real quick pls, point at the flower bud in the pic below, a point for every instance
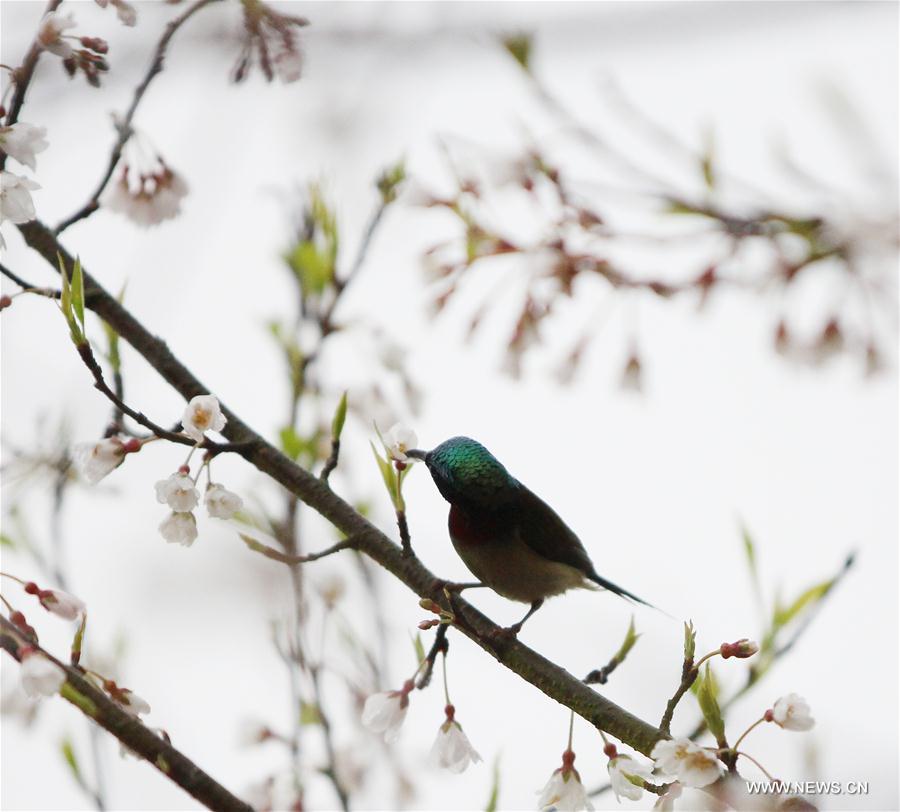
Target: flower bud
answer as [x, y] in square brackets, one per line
[741, 649]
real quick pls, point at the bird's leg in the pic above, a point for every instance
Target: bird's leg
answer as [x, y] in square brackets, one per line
[450, 586]
[451, 590]
[513, 630]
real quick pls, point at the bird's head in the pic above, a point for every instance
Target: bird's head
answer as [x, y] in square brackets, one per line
[468, 475]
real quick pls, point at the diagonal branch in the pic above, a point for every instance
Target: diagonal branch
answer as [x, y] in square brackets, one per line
[129, 730]
[545, 675]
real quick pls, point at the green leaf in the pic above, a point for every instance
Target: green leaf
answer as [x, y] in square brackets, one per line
[309, 714]
[690, 641]
[66, 303]
[749, 550]
[68, 753]
[628, 643]
[291, 442]
[387, 474]
[707, 160]
[495, 788]
[519, 47]
[78, 292]
[815, 593]
[340, 415]
[420, 649]
[706, 697]
[389, 181]
[6, 541]
[311, 267]
[78, 641]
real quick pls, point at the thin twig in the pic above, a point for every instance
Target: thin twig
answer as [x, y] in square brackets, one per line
[124, 126]
[689, 674]
[211, 447]
[22, 76]
[439, 645]
[332, 461]
[129, 730]
[403, 527]
[325, 724]
[27, 286]
[290, 559]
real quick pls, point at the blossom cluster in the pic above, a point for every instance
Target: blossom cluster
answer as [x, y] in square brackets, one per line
[179, 490]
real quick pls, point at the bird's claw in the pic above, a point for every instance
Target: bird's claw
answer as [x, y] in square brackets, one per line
[507, 633]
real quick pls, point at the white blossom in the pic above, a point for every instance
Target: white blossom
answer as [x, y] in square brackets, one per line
[564, 792]
[155, 197]
[385, 712]
[202, 414]
[50, 33]
[179, 528]
[252, 732]
[792, 712]
[126, 13]
[666, 801]
[399, 440]
[452, 749]
[289, 65]
[16, 204]
[222, 503]
[692, 765]
[40, 676]
[95, 460]
[178, 492]
[350, 766]
[131, 703]
[22, 141]
[61, 603]
[622, 769]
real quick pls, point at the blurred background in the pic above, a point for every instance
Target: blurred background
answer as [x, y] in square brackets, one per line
[736, 162]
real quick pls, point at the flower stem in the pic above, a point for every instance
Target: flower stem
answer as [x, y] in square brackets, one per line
[747, 755]
[444, 668]
[571, 728]
[12, 577]
[744, 734]
[706, 657]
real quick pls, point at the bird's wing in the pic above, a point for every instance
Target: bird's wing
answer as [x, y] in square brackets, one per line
[541, 528]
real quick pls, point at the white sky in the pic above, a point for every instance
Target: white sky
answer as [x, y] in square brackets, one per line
[653, 485]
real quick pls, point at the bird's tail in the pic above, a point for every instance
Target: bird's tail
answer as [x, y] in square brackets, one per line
[624, 593]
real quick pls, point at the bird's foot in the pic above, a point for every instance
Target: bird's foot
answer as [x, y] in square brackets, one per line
[452, 587]
[508, 633]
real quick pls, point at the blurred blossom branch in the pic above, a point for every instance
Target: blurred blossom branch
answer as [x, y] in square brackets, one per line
[128, 729]
[123, 125]
[746, 242]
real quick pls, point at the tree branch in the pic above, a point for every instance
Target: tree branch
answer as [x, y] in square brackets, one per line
[22, 76]
[129, 730]
[124, 126]
[548, 677]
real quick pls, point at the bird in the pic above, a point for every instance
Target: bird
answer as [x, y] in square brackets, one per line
[509, 538]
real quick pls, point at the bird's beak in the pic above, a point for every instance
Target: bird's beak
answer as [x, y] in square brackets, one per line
[416, 453]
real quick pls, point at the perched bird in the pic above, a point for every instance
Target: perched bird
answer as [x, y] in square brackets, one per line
[510, 539]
